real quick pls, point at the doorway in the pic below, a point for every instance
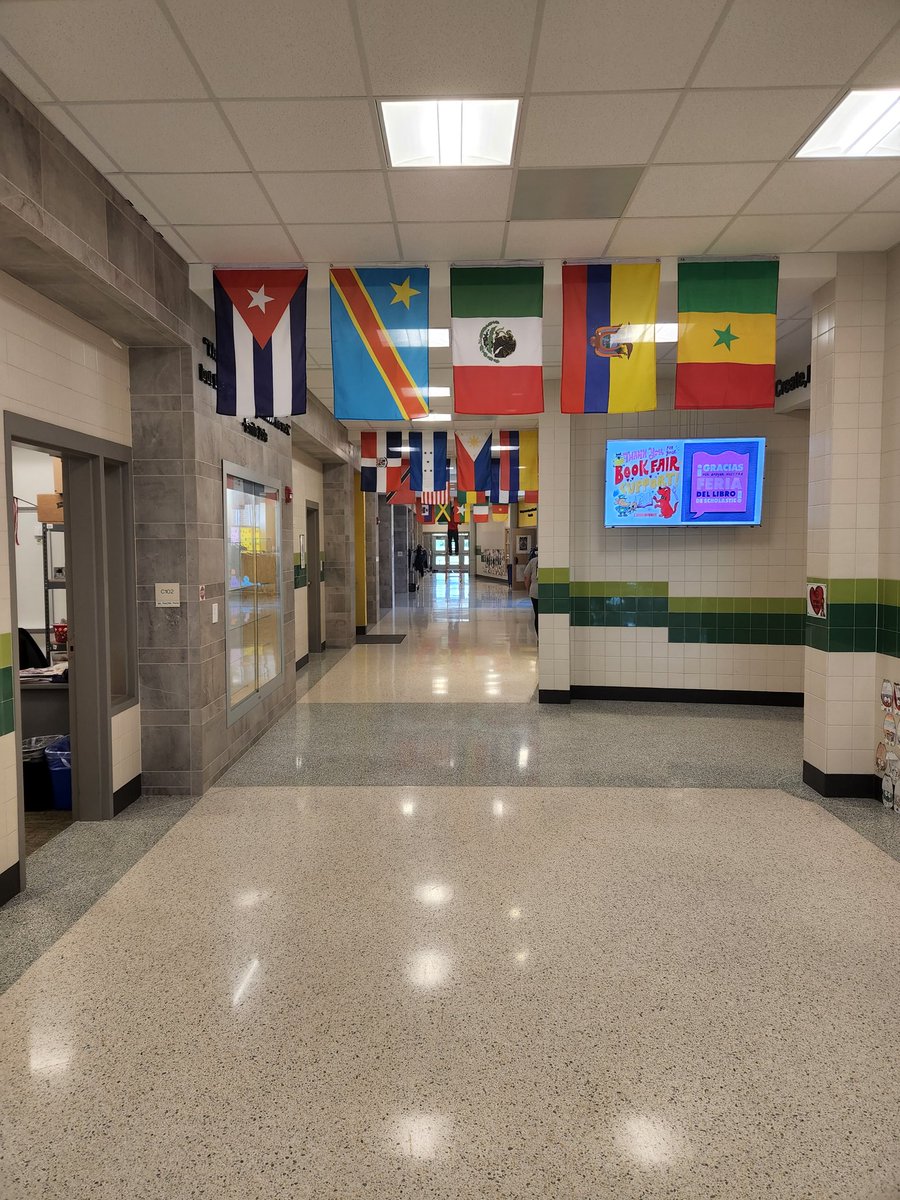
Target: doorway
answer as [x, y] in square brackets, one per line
[442, 561]
[314, 590]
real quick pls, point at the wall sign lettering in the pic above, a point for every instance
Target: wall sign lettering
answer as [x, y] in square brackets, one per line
[798, 380]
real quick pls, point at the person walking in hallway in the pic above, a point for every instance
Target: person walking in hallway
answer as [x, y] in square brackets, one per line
[531, 582]
[453, 532]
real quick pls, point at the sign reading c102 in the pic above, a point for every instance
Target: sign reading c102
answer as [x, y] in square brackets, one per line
[798, 380]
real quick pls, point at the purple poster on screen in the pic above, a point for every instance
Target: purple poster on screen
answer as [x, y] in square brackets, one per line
[719, 482]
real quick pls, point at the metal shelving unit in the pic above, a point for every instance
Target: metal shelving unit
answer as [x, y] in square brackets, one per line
[50, 584]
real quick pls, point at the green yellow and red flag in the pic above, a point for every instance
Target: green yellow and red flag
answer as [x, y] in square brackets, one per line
[726, 334]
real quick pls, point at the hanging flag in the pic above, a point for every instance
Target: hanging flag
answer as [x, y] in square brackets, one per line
[403, 493]
[260, 342]
[442, 497]
[381, 461]
[428, 462]
[609, 338]
[473, 462]
[505, 469]
[528, 464]
[726, 334]
[496, 337]
[379, 342]
[481, 513]
[423, 513]
[466, 498]
[499, 512]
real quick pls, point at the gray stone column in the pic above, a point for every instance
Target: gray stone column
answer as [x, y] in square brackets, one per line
[372, 558]
[385, 553]
[340, 569]
[401, 550]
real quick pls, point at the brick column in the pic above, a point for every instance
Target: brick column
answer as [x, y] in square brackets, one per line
[843, 527]
[385, 553]
[372, 558]
[554, 458]
[340, 571]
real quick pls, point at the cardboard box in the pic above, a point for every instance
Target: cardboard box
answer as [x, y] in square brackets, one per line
[50, 508]
[57, 474]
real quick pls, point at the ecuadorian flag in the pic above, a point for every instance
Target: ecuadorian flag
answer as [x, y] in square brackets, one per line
[379, 342]
[726, 334]
[609, 338]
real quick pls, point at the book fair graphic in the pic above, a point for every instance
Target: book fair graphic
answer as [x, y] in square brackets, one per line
[887, 753]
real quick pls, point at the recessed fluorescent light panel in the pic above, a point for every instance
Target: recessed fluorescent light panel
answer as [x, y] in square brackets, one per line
[449, 133]
[866, 124]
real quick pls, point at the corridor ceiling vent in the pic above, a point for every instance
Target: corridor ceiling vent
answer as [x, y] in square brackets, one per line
[866, 124]
[449, 133]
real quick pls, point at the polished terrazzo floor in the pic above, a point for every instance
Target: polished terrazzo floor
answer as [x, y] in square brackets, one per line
[446, 975]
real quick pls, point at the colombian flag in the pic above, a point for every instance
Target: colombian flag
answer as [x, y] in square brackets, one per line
[726, 334]
[379, 342]
[609, 338]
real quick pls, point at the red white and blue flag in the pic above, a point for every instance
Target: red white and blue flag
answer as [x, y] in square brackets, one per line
[505, 469]
[381, 462]
[428, 462]
[260, 342]
[473, 462]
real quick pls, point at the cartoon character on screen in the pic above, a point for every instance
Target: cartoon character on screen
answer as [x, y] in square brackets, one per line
[663, 501]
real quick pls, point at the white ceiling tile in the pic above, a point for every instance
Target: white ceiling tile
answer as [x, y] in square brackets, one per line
[306, 135]
[644, 44]
[836, 185]
[449, 242]
[773, 235]
[574, 131]
[766, 43]
[221, 244]
[887, 200]
[126, 188]
[643, 237]
[190, 136]
[864, 231]
[228, 199]
[442, 194]
[101, 49]
[279, 48]
[25, 80]
[328, 196]
[345, 243]
[76, 135]
[742, 125]
[882, 70]
[696, 190]
[178, 244]
[558, 239]
[447, 47]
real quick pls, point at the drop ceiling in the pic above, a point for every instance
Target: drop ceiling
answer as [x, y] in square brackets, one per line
[249, 133]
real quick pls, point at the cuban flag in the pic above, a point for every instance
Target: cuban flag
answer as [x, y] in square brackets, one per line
[381, 461]
[261, 342]
[505, 469]
[473, 462]
[428, 462]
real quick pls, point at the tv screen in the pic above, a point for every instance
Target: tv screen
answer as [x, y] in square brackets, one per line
[684, 481]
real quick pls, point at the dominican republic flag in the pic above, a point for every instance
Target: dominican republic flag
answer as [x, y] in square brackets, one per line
[381, 461]
[505, 469]
[428, 462]
[260, 342]
[473, 462]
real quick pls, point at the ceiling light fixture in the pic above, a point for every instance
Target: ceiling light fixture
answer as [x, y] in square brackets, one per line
[449, 133]
[433, 416]
[866, 124]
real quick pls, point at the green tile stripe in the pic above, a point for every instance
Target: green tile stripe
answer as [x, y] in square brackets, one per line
[7, 708]
[5, 650]
[861, 615]
[301, 576]
[553, 575]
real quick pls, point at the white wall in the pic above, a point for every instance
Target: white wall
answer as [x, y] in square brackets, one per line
[33, 474]
[307, 484]
[55, 368]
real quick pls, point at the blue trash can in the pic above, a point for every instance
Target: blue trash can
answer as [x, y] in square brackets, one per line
[59, 760]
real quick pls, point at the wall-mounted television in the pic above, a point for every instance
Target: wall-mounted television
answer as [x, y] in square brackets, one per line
[684, 481]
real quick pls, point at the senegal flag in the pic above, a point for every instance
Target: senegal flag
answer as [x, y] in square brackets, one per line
[726, 334]
[496, 337]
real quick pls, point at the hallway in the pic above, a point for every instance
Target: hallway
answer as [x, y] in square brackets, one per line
[428, 938]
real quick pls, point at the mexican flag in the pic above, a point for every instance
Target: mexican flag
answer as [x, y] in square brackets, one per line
[496, 338]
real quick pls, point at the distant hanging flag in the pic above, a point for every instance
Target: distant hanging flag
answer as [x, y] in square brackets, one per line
[466, 498]
[403, 493]
[442, 497]
[609, 338]
[726, 334]
[528, 464]
[381, 461]
[473, 462]
[428, 461]
[481, 513]
[499, 512]
[496, 339]
[379, 343]
[505, 469]
[260, 342]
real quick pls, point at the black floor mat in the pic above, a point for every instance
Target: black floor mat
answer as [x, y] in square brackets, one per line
[380, 639]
